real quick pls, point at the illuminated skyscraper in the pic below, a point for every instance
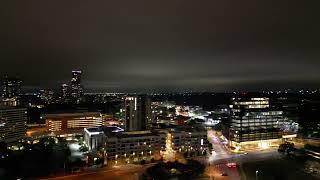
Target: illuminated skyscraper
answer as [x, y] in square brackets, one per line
[137, 113]
[76, 88]
[11, 87]
[65, 93]
[64, 90]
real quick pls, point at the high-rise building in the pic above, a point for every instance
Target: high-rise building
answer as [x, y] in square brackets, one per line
[12, 124]
[76, 88]
[64, 93]
[137, 113]
[254, 123]
[11, 87]
[47, 96]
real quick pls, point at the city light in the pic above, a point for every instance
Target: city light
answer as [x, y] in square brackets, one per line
[160, 90]
[169, 153]
[263, 145]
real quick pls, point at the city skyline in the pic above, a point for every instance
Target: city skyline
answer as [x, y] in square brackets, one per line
[59, 87]
[159, 90]
[164, 46]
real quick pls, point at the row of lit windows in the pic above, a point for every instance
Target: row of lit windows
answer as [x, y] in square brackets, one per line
[83, 123]
[257, 120]
[251, 102]
[254, 124]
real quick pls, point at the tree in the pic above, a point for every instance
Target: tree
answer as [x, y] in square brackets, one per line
[192, 122]
[84, 149]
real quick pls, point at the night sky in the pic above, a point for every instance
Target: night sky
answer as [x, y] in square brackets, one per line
[132, 45]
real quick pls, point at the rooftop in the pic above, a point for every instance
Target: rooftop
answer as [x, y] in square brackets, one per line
[137, 134]
[94, 129]
[65, 115]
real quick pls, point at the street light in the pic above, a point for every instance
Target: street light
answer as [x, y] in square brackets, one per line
[257, 174]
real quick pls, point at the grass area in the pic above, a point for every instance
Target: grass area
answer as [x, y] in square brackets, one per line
[284, 169]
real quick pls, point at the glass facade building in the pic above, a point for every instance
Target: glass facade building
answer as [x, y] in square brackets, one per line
[254, 120]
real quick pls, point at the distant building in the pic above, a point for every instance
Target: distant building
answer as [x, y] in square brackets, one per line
[137, 113]
[10, 101]
[12, 124]
[11, 91]
[76, 88]
[64, 93]
[73, 121]
[11, 87]
[254, 123]
[47, 96]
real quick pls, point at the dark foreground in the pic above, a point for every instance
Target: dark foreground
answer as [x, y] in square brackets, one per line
[284, 169]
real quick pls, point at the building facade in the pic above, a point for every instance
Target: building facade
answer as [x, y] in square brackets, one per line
[76, 88]
[137, 113]
[11, 91]
[11, 87]
[134, 146]
[64, 93]
[190, 140]
[94, 138]
[73, 121]
[254, 123]
[12, 124]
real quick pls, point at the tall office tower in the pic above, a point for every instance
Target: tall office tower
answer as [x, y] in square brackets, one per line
[137, 113]
[65, 93]
[76, 88]
[46, 95]
[11, 87]
[12, 124]
[254, 123]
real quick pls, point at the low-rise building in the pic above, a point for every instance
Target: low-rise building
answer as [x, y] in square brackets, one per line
[73, 121]
[190, 140]
[135, 146]
[94, 138]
